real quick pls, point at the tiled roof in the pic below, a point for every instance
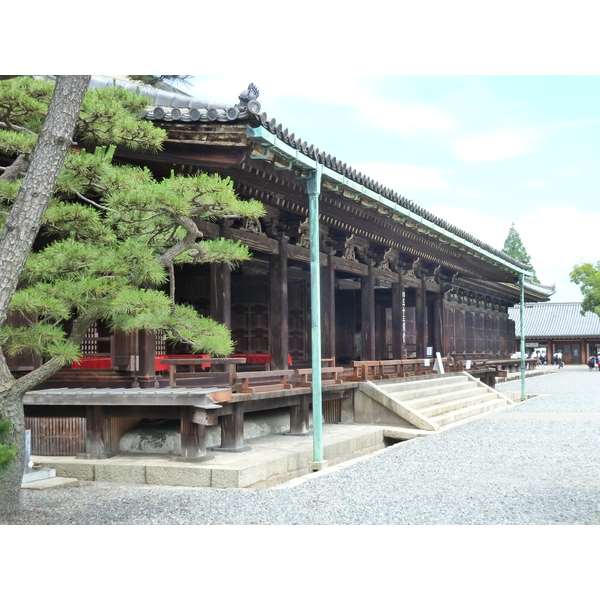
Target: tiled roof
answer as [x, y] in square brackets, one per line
[174, 106]
[169, 105]
[178, 106]
[555, 320]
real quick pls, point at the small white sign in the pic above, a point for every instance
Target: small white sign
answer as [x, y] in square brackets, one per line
[467, 365]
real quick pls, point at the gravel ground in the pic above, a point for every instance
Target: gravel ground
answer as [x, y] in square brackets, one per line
[537, 463]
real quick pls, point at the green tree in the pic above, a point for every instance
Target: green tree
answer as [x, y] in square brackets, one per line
[514, 247]
[587, 277]
[107, 237]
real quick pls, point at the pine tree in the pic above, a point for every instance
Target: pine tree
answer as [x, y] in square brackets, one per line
[107, 237]
[514, 247]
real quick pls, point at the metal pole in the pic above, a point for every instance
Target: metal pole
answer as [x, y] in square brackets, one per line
[522, 278]
[313, 188]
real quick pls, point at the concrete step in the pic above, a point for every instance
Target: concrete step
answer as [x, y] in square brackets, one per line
[424, 402]
[478, 399]
[418, 385]
[53, 482]
[38, 474]
[468, 412]
[431, 403]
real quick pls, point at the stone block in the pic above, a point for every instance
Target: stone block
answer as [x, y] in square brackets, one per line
[81, 470]
[182, 475]
[252, 475]
[225, 478]
[120, 473]
[277, 466]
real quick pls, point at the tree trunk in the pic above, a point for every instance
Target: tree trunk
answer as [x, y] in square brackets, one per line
[11, 474]
[19, 232]
[25, 218]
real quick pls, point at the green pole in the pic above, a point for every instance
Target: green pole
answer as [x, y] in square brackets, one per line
[522, 336]
[313, 188]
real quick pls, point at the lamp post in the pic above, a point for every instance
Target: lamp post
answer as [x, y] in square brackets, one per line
[522, 311]
[313, 187]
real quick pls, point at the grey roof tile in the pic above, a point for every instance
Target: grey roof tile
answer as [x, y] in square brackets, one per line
[555, 320]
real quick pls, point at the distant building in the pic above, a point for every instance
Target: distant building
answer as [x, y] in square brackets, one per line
[558, 326]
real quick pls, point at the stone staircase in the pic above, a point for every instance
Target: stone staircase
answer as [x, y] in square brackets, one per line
[434, 403]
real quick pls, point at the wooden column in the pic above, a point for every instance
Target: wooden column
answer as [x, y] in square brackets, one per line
[147, 353]
[299, 416]
[421, 319]
[124, 349]
[232, 429]
[438, 325]
[328, 310]
[368, 315]
[279, 309]
[193, 436]
[398, 320]
[96, 430]
[220, 294]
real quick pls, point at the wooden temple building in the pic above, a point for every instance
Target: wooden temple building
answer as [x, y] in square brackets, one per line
[397, 282]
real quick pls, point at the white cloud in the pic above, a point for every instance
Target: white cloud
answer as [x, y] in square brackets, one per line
[535, 185]
[402, 178]
[556, 238]
[472, 193]
[356, 93]
[406, 119]
[497, 145]
[489, 229]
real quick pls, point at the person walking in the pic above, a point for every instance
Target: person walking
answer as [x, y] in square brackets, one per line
[560, 362]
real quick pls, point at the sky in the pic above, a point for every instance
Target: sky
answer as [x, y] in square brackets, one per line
[484, 114]
[482, 152]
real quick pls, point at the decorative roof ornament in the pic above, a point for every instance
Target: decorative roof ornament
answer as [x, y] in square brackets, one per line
[248, 100]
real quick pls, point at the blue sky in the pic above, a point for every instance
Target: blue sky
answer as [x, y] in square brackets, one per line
[480, 151]
[482, 113]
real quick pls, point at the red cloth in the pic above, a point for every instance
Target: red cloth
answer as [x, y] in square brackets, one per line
[158, 366]
[103, 362]
[92, 362]
[259, 358]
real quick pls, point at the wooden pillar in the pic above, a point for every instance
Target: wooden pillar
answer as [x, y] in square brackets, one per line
[299, 416]
[279, 309]
[124, 350]
[147, 354]
[421, 319]
[328, 309]
[398, 320]
[232, 428]
[367, 290]
[220, 294]
[193, 436]
[96, 430]
[438, 325]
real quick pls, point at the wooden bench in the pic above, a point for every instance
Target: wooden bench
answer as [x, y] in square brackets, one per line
[364, 369]
[329, 376]
[262, 381]
[511, 365]
[192, 362]
[390, 369]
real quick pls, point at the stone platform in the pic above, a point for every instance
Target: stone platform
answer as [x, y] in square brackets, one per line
[271, 460]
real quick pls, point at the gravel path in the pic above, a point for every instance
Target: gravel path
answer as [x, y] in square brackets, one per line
[536, 463]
